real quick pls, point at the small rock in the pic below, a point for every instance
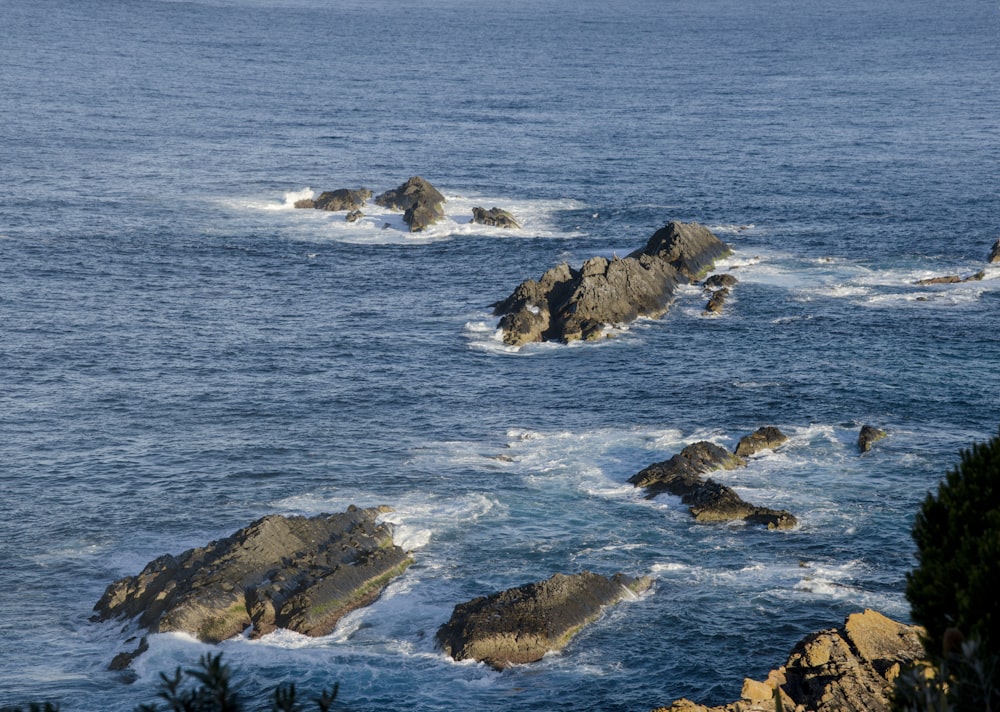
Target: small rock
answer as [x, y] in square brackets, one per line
[494, 217]
[766, 438]
[354, 216]
[995, 252]
[868, 436]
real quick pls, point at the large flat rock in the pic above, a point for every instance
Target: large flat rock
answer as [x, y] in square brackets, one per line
[293, 572]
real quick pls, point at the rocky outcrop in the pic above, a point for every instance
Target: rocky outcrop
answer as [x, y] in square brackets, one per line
[766, 438]
[720, 281]
[567, 304]
[494, 217]
[717, 300]
[299, 573]
[848, 668]
[994, 255]
[521, 624]
[707, 500]
[868, 436]
[421, 203]
[354, 216]
[340, 199]
[952, 279]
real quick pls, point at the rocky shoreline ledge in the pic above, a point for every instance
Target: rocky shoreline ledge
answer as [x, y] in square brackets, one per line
[848, 668]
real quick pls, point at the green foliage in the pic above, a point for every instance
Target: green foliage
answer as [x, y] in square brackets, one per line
[957, 581]
[962, 681]
[954, 591]
[208, 688]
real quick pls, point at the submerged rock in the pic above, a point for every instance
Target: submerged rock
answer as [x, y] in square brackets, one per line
[707, 500]
[766, 438]
[567, 304]
[868, 436]
[848, 668]
[421, 203]
[521, 624]
[494, 217]
[298, 573]
[952, 279]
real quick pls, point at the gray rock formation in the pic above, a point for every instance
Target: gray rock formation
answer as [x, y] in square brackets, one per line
[567, 304]
[994, 253]
[766, 438]
[707, 500]
[494, 217]
[848, 668]
[354, 216]
[952, 279]
[340, 199]
[521, 624]
[868, 436]
[299, 573]
[421, 203]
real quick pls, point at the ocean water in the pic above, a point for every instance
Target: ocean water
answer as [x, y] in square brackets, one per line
[182, 352]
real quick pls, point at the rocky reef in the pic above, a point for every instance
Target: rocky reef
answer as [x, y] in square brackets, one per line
[520, 625]
[708, 500]
[848, 668]
[567, 304]
[298, 573]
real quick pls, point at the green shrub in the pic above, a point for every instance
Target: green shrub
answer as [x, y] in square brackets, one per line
[954, 592]
[208, 688]
[956, 584]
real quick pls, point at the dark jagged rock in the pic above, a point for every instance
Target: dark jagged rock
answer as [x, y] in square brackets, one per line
[868, 436]
[718, 281]
[994, 253]
[521, 624]
[567, 304]
[421, 203]
[354, 216]
[766, 438]
[494, 217]
[852, 667]
[952, 279]
[707, 500]
[299, 573]
[340, 199]
[717, 301]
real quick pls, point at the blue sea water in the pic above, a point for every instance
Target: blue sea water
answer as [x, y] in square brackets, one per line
[182, 352]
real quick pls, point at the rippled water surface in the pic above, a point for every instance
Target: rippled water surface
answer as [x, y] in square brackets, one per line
[183, 352]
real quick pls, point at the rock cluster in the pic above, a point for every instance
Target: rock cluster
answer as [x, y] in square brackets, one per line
[521, 624]
[421, 203]
[299, 573]
[708, 500]
[719, 288]
[847, 668]
[567, 304]
[494, 217]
